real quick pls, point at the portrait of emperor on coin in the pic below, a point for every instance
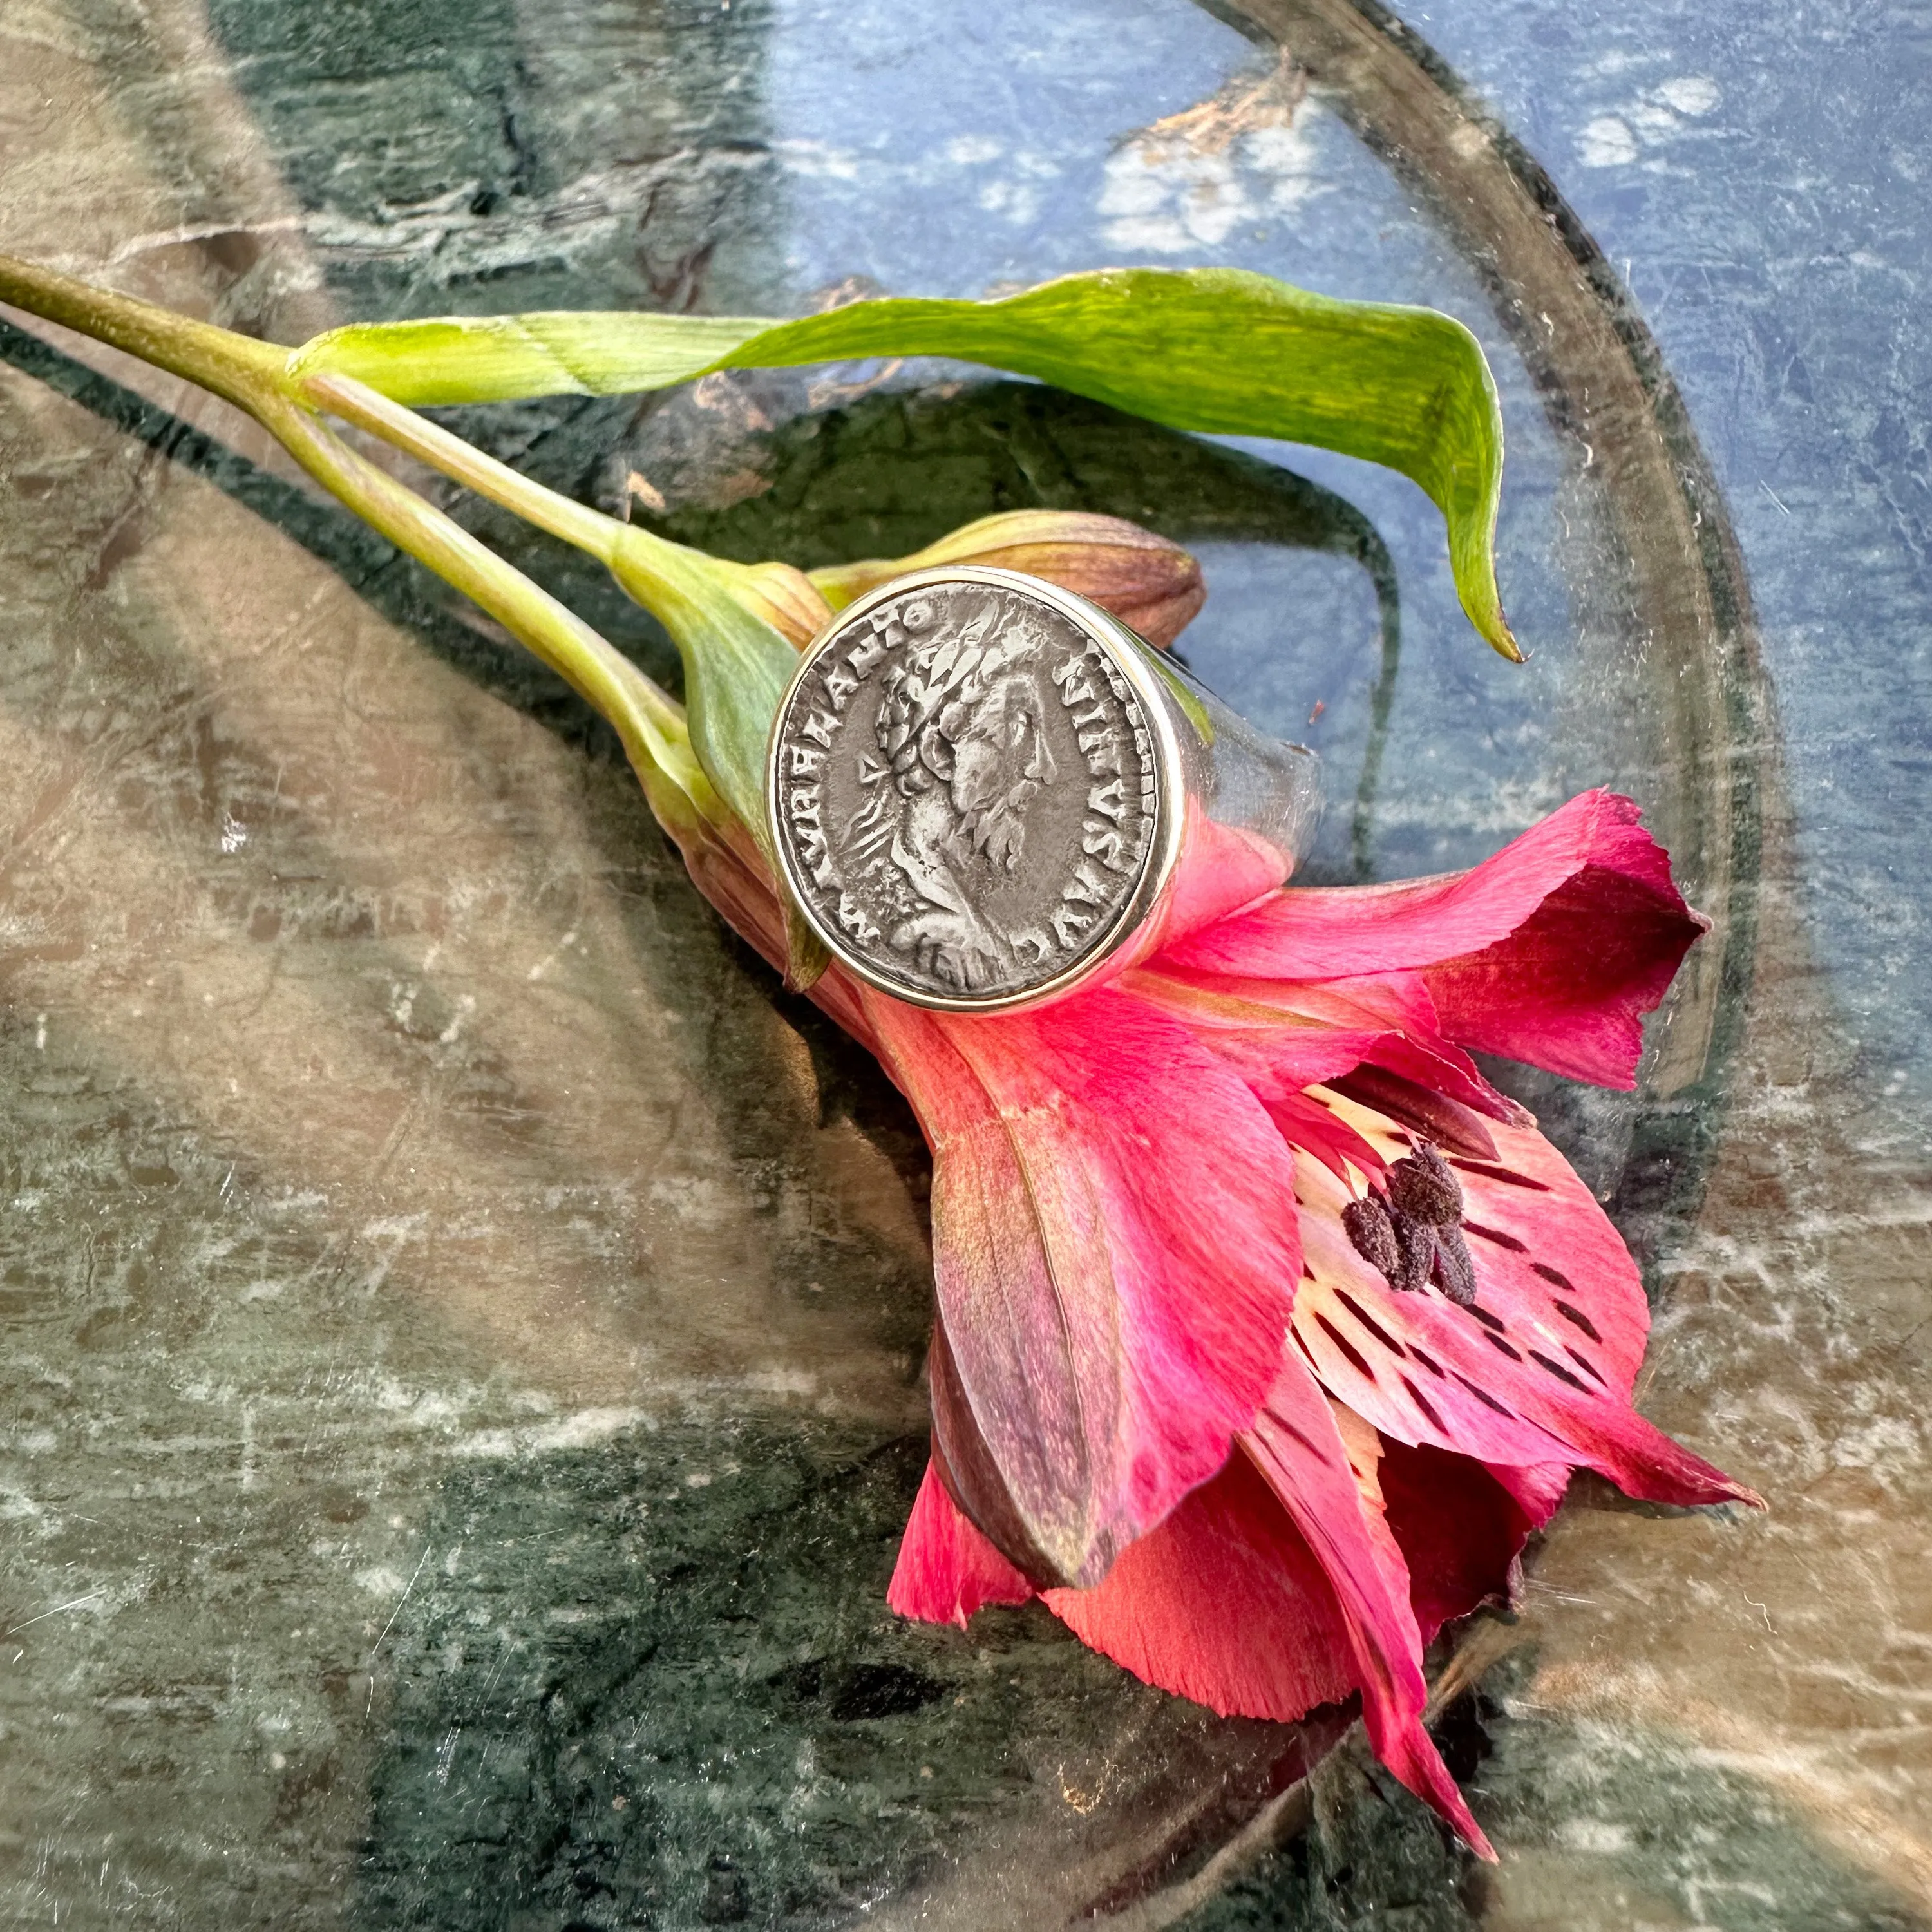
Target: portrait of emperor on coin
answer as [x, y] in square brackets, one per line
[962, 786]
[961, 753]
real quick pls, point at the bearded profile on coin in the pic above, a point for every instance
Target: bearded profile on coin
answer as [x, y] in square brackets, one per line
[962, 754]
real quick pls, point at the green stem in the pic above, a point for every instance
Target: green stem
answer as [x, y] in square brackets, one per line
[736, 662]
[656, 732]
[233, 366]
[650, 723]
[356, 403]
[671, 582]
[255, 376]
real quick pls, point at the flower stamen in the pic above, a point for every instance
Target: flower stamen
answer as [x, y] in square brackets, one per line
[1455, 1272]
[1371, 1234]
[1416, 1237]
[1415, 1242]
[1424, 1187]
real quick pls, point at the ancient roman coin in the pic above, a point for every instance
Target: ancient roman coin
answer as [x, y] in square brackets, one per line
[966, 790]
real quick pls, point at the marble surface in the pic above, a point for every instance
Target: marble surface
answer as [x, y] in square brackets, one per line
[462, 1322]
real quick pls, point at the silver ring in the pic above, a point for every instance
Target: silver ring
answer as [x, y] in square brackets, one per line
[980, 785]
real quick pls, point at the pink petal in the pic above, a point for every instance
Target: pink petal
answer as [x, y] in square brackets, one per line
[1329, 932]
[1222, 869]
[1298, 1449]
[1548, 1259]
[1537, 1489]
[1114, 1251]
[1224, 1603]
[1569, 989]
[1549, 952]
[1310, 1126]
[947, 1570]
[1460, 1531]
[1282, 1035]
[1539, 1371]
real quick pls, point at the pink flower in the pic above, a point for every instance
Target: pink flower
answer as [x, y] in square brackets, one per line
[1267, 1328]
[1252, 1440]
[1139, 1193]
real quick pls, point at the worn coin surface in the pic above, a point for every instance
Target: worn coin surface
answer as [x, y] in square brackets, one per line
[967, 791]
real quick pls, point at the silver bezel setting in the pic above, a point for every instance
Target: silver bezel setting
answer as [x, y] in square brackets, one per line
[1133, 659]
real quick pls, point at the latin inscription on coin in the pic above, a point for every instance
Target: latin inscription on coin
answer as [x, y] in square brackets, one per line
[966, 790]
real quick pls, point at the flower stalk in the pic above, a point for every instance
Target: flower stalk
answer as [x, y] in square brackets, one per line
[724, 617]
[255, 377]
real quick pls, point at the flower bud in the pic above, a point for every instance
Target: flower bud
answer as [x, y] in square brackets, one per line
[787, 600]
[1151, 585]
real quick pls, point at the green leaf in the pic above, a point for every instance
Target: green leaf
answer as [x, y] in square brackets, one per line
[496, 359]
[1218, 351]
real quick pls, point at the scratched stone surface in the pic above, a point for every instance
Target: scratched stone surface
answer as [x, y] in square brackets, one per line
[460, 1323]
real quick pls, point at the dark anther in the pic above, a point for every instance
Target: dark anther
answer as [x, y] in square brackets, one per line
[1371, 1234]
[1415, 1241]
[1423, 1187]
[1455, 1274]
[1415, 1238]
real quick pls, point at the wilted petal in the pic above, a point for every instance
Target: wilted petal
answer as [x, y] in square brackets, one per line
[970, 1470]
[1114, 1252]
[947, 1570]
